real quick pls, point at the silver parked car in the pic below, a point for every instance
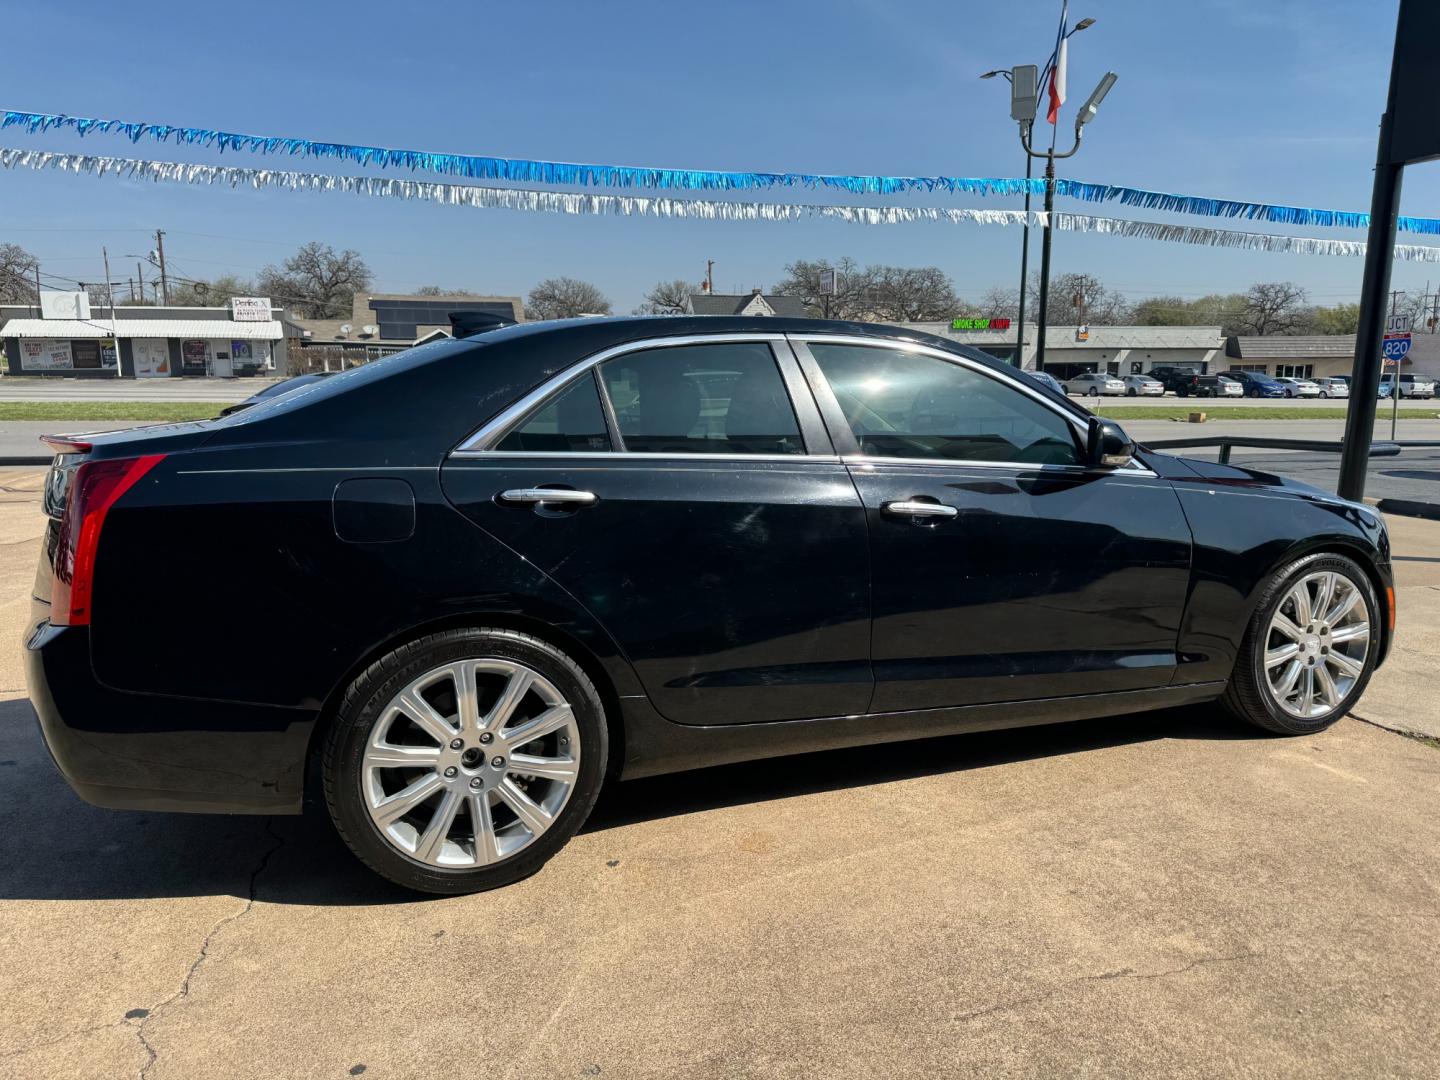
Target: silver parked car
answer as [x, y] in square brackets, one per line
[1231, 387]
[1331, 386]
[1143, 386]
[1093, 384]
[1047, 379]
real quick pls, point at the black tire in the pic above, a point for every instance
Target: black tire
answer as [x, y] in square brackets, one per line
[1184, 391]
[1093, 392]
[1131, 392]
[373, 690]
[1248, 696]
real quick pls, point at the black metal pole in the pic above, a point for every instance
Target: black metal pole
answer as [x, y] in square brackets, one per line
[1045, 262]
[1365, 374]
[1025, 267]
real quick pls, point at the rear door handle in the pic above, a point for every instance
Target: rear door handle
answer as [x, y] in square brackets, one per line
[919, 509]
[548, 495]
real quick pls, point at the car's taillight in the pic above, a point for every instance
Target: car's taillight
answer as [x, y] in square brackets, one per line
[96, 487]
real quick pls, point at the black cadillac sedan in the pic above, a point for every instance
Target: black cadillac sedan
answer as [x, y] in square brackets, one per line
[467, 585]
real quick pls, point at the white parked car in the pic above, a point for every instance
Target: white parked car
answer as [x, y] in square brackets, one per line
[1412, 386]
[1330, 386]
[1093, 384]
[1298, 387]
[1143, 386]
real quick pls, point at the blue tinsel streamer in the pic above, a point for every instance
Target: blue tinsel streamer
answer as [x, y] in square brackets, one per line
[522, 170]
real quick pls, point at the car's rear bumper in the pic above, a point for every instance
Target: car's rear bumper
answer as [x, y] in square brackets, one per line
[150, 752]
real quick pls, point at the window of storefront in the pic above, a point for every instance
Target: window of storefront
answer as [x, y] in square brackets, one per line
[195, 357]
[1295, 371]
[1259, 368]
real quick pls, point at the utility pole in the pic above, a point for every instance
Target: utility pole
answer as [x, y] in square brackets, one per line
[710, 277]
[114, 326]
[160, 256]
[37, 287]
[140, 274]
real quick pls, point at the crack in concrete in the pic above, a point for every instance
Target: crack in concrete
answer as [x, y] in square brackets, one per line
[1104, 976]
[149, 1015]
[1417, 736]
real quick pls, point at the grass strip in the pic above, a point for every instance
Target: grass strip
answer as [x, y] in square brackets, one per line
[86, 411]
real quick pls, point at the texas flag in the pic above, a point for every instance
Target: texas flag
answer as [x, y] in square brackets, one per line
[1057, 81]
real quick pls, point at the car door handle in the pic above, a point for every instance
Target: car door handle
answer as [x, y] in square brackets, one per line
[548, 495]
[919, 509]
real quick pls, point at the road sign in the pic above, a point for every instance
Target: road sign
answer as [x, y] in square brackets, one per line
[1397, 324]
[1395, 347]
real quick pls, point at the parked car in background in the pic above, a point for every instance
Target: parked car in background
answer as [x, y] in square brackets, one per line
[1297, 388]
[1230, 388]
[1093, 384]
[1199, 386]
[1333, 386]
[449, 525]
[1143, 386]
[1046, 379]
[1412, 386]
[1169, 376]
[1257, 384]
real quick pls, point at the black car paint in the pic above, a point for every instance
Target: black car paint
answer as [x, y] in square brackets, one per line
[207, 672]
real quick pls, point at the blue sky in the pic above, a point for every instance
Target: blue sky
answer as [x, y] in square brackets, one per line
[1274, 101]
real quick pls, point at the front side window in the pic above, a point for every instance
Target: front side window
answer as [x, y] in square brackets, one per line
[725, 398]
[570, 422]
[912, 405]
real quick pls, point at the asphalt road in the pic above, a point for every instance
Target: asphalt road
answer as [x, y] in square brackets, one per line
[36, 388]
[1171, 894]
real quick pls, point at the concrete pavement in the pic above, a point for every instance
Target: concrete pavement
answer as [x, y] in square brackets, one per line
[1173, 894]
[44, 388]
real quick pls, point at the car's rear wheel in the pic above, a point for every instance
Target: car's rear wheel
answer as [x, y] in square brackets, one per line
[464, 760]
[1093, 392]
[1310, 648]
[1132, 392]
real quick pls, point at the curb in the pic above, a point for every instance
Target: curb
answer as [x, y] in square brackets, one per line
[1409, 508]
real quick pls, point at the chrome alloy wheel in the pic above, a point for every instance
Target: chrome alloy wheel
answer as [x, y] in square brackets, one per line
[470, 763]
[1317, 643]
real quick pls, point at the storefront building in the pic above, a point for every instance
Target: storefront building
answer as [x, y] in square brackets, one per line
[241, 339]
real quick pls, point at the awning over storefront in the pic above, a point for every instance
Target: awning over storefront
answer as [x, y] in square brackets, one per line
[226, 329]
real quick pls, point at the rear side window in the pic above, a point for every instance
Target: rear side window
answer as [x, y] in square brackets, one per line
[912, 405]
[572, 421]
[725, 398]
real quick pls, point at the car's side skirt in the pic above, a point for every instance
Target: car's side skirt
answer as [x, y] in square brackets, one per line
[653, 745]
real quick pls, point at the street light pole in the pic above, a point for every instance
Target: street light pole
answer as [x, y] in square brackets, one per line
[1025, 83]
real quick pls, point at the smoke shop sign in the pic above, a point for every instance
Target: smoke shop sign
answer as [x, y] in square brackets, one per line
[979, 324]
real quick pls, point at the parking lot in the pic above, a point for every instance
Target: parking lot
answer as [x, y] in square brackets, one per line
[1169, 894]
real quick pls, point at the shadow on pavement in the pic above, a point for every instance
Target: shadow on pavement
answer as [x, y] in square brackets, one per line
[785, 777]
[55, 847]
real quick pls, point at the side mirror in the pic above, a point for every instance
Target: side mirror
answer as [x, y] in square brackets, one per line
[1107, 446]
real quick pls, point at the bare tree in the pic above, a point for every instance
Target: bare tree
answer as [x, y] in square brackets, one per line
[667, 298]
[1273, 307]
[1000, 303]
[316, 282]
[1083, 298]
[17, 275]
[912, 294]
[430, 290]
[565, 298]
[851, 299]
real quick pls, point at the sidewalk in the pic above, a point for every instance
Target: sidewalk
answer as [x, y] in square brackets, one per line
[1402, 695]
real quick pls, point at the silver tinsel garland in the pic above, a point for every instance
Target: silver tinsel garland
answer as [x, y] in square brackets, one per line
[566, 202]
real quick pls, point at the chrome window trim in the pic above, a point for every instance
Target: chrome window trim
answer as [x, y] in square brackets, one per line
[641, 455]
[498, 426]
[1005, 379]
[1014, 466]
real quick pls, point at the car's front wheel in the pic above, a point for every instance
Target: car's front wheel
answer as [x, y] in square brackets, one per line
[1309, 649]
[464, 760]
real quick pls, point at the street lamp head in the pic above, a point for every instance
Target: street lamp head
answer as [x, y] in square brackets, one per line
[1083, 24]
[1092, 103]
[997, 71]
[1024, 92]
